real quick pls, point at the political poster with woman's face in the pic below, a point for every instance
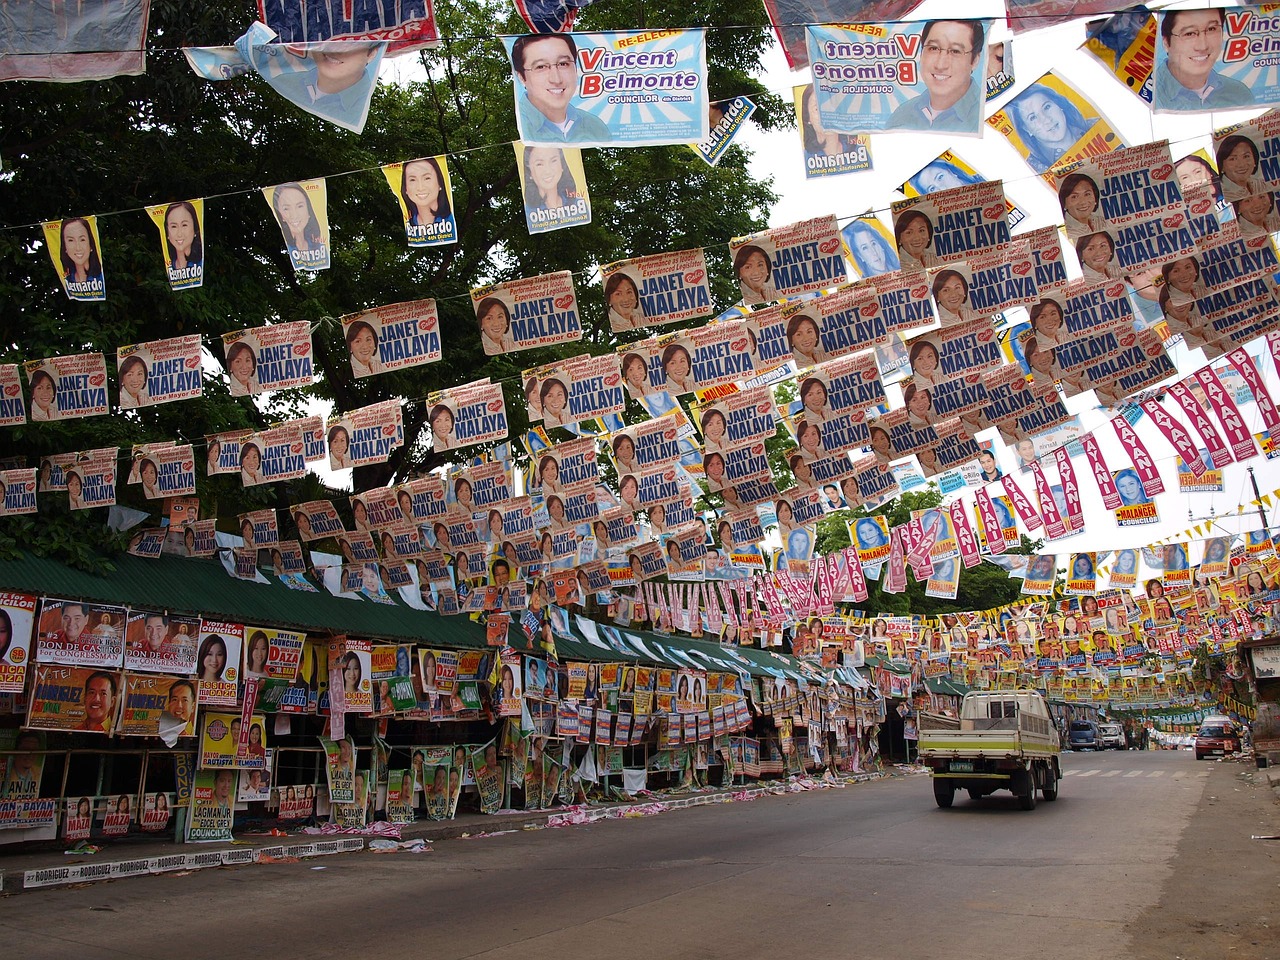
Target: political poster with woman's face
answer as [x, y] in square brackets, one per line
[302, 211]
[182, 239]
[76, 252]
[423, 190]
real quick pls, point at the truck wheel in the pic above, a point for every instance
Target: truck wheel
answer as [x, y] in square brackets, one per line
[1050, 789]
[944, 793]
[975, 794]
[1023, 786]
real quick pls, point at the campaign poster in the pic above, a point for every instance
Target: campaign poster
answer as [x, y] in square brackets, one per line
[741, 417]
[365, 436]
[159, 372]
[277, 453]
[213, 795]
[17, 616]
[158, 642]
[272, 653]
[75, 698]
[168, 472]
[647, 444]
[220, 741]
[949, 170]
[528, 313]
[652, 291]
[1210, 60]
[18, 492]
[918, 76]
[259, 528]
[340, 768]
[64, 388]
[56, 42]
[1228, 283]
[826, 152]
[75, 250]
[615, 89]
[13, 408]
[181, 226]
[564, 393]
[351, 658]
[148, 543]
[554, 187]
[80, 634]
[1050, 123]
[316, 520]
[788, 17]
[392, 337]
[726, 119]
[218, 662]
[799, 258]
[950, 226]
[424, 191]
[158, 706]
[943, 580]
[951, 352]
[273, 357]
[406, 26]
[222, 452]
[301, 209]
[1082, 575]
[255, 785]
[1248, 157]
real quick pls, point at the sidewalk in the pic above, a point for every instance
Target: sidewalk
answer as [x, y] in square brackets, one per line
[140, 856]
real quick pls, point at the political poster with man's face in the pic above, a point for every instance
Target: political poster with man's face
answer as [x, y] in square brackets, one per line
[213, 794]
[80, 634]
[75, 698]
[156, 642]
[157, 706]
[1211, 60]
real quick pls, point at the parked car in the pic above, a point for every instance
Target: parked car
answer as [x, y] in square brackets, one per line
[1110, 736]
[1082, 735]
[1216, 737]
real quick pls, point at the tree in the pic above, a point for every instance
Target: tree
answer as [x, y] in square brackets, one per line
[112, 147]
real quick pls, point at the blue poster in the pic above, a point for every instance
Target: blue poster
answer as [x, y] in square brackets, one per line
[1213, 60]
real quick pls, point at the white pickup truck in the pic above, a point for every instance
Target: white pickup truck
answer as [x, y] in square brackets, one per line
[1004, 740]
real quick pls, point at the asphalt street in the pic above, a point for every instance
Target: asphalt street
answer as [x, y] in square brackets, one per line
[870, 870]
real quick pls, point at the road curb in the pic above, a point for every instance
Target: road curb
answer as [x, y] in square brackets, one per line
[38, 878]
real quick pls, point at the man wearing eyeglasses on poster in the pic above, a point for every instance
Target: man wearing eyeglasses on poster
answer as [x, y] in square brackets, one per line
[547, 67]
[949, 51]
[1185, 79]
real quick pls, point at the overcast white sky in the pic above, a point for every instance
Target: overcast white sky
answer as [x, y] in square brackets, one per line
[779, 155]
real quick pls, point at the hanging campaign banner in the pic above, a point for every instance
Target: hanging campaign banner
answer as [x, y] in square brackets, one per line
[425, 194]
[163, 707]
[868, 77]
[63, 388]
[365, 436]
[17, 492]
[169, 472]
[646, 292]
[950, 226]
[222, 452]
[736, 419]
[274, 454]
[392, 337]
[569, 391]
[788, 19]
[156, 642]
[75, 250]
[260, 528]
[727, 118]
[75, 698]
[18, 611]
[1248, 157]
[181, 227]
[47, 40]
[799, 258]
[317, 519]
[302, 211]
[407, 25]
[623, 89]
[1194, 43]
[274, 357]
[1227, 280]
[331, 79]
[1051, 123]
[80, 634]
[459, 416]
[523, 314]
[947, 171]
[554, 187]
[827, 153]
[818, 329]
[218, 662]
[159, 371]
[13, 409]
[484, 485]
[646, 444]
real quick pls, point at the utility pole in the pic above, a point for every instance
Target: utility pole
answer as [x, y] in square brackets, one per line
[1258, 498]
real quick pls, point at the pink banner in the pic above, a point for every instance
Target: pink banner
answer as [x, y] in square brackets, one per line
[1021, 504]
[1200, 419]
[1101, 472]
[1244, 365]
[1177, 436]
[1239, 438]
[1054, 527]
[990, 523]
[965, 537]
[1137, 450]
[823, 578]
[895, 576]
[1071, 488]
[857, 582]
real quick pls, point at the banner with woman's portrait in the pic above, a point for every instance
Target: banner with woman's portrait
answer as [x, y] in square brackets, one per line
[1050, 123]
[392, 337]
[424, 191]
[159, 371]
[276, 356]
[366, 435]
[302, 211]
[218, 662]
[13, 408]
[63, 388]
[783, 261]
[181, 227]
[554, 186]
[17, 616]
[564, 393]
[646, 292]
[75, 250]
[827, 153]
[18, 492]
[527, 313]
[460, 416]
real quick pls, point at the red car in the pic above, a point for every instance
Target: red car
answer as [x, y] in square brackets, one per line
[1217, 737]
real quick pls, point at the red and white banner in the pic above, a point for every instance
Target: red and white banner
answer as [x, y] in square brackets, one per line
[1177, 436]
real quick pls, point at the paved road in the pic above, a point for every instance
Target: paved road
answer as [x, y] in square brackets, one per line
[873, 870]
